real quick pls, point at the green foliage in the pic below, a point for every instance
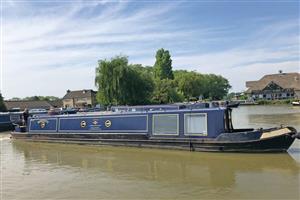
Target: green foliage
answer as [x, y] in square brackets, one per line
[108, 76]
[2, 105]
[216, 87]
[244, 97]
[15, 99]
[38, 98]
[274, 102]
[190, 84]
[137, 87]
[237, 96]
[120, 83]
[193, 85]
[165, 92]
[163, 65]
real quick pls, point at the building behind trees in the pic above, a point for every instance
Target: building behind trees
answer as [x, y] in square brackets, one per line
[275, 86]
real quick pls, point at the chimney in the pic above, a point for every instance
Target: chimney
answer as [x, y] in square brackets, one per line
[280, 71]
[68, 91]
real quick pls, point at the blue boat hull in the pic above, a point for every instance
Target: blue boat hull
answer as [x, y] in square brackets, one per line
[6, 127]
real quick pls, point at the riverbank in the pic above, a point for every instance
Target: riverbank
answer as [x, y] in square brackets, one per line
[275, 102]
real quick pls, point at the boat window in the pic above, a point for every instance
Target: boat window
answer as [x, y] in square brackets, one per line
[165, 124]
[195, 124]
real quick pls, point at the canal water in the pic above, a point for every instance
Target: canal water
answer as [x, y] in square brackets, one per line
[62, 171]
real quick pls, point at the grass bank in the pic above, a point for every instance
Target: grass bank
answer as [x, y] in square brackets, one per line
[275, 102]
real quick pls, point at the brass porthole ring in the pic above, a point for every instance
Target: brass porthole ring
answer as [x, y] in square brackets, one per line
[107, 123]
[83, 124]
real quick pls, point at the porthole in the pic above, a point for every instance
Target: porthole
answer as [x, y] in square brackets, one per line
[107, 123]
[83, 124]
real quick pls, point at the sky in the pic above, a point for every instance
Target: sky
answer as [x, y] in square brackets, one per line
[48, 47]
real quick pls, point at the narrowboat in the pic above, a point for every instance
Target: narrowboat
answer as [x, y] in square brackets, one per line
[182, 128]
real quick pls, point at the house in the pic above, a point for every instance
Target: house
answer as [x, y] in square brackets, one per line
[79, 99]
[275, 86]
[22, 104]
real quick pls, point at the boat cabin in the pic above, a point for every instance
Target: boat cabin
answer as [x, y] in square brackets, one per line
[182, 123]
[7, 119]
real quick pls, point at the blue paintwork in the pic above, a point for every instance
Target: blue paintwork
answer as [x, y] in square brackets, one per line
[125, 123]
[50, 125]
[10, 117]
[16, 117]
[5, 123]
[4, 118]
[120, 123]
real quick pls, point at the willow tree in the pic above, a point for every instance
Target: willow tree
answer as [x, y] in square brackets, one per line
[120, 83]
[108, 75]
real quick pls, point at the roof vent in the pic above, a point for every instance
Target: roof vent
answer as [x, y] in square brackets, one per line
[68, 91]
[280, 71]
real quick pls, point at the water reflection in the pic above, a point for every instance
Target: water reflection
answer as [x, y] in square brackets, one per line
[214, 169]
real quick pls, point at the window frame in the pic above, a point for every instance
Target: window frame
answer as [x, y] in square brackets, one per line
[186, 126]
[171, 134]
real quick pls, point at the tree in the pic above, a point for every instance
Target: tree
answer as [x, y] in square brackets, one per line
[2, 105]
[40, 98]
[15, 99]
[163, 65]
[165, 92]
[108, 75]
[140, 80]
[190, 84]
[135, 87]
[120, 83]
[193, 85]
[217, 87]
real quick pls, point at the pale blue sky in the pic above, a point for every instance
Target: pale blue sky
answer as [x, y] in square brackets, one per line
[51, 46]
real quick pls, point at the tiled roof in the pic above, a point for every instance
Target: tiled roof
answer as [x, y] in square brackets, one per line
[27, 104]
[56, 103]
[284, 80]
[79, 94]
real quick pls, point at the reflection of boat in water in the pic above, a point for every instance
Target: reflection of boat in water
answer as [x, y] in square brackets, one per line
[149, 164]
[199, 129]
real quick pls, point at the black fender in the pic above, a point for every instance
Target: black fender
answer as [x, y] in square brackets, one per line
[294, 133]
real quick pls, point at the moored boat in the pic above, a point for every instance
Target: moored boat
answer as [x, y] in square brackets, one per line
[8, 118]
[204, 129]
[5, 123]
[296, 103]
